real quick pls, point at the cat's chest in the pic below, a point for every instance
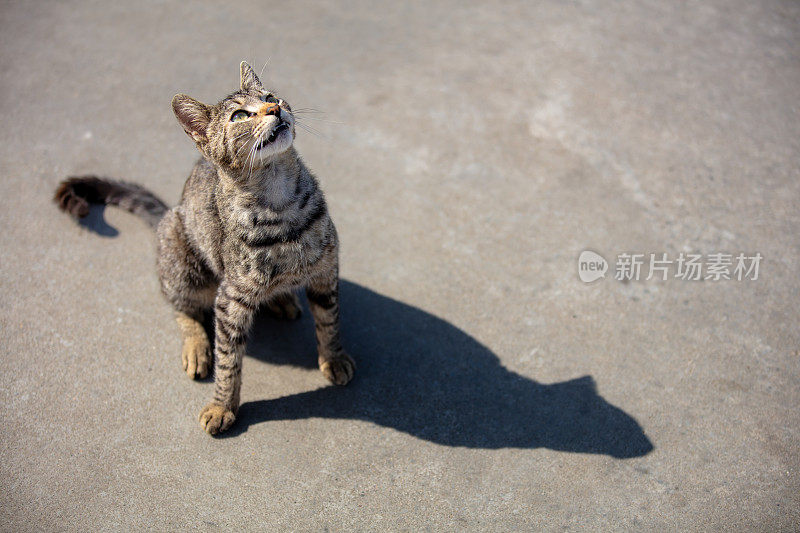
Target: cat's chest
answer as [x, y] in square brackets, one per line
[260, 226]
[263, 251]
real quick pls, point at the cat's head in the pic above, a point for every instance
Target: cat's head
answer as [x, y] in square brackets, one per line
[242, 132]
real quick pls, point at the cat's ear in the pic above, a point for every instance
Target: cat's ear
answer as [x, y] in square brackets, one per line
[248, 78]
[193, 116]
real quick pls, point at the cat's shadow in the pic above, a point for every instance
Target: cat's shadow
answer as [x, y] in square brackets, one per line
[95, 222]
[423, 376]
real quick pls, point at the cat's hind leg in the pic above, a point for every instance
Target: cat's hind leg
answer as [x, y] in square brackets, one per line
[284, 306]
[323, 299]
[191, 287]
[196, 352]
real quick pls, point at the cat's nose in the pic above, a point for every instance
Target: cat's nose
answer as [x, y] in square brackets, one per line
[270, 109]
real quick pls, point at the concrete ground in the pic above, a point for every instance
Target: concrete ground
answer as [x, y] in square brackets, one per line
[469, 154]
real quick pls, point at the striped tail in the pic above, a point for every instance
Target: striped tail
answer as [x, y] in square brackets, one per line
[76, 193]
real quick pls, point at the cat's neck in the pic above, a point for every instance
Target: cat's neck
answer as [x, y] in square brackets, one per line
[273, 185]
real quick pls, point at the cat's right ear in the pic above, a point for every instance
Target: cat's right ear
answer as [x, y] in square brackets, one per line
[193, 115]
[248, 79]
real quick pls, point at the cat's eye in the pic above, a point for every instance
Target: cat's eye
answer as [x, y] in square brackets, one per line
[270, 99]
[240, 115]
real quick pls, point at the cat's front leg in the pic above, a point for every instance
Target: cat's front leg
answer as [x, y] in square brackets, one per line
[323, 299]
[234, 308]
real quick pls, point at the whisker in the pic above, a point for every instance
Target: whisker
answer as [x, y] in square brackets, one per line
[265, 66]
[302, 122]
[310, 129]
[307, 109]
[247, 159]
[253, 153]
[323, 120]
[245, 145]
[232, 141]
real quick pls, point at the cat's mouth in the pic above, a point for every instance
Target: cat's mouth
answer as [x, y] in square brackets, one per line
[273, 135]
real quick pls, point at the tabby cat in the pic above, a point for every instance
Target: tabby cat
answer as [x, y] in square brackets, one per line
[251, 229]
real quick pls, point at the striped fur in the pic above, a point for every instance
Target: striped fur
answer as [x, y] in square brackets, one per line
[252, 228]
[74, 195]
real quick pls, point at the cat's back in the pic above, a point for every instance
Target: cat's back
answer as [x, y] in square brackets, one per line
[200, 215]
[201, 183]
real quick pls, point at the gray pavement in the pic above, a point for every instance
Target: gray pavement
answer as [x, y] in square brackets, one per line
[469, 154]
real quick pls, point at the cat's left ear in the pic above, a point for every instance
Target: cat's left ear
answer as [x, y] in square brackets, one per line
[193, 115]
[249, 80]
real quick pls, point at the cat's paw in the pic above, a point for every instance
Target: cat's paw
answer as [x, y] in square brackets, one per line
[216, 418]
[338, 369]
[285, 307]
[196, 356]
